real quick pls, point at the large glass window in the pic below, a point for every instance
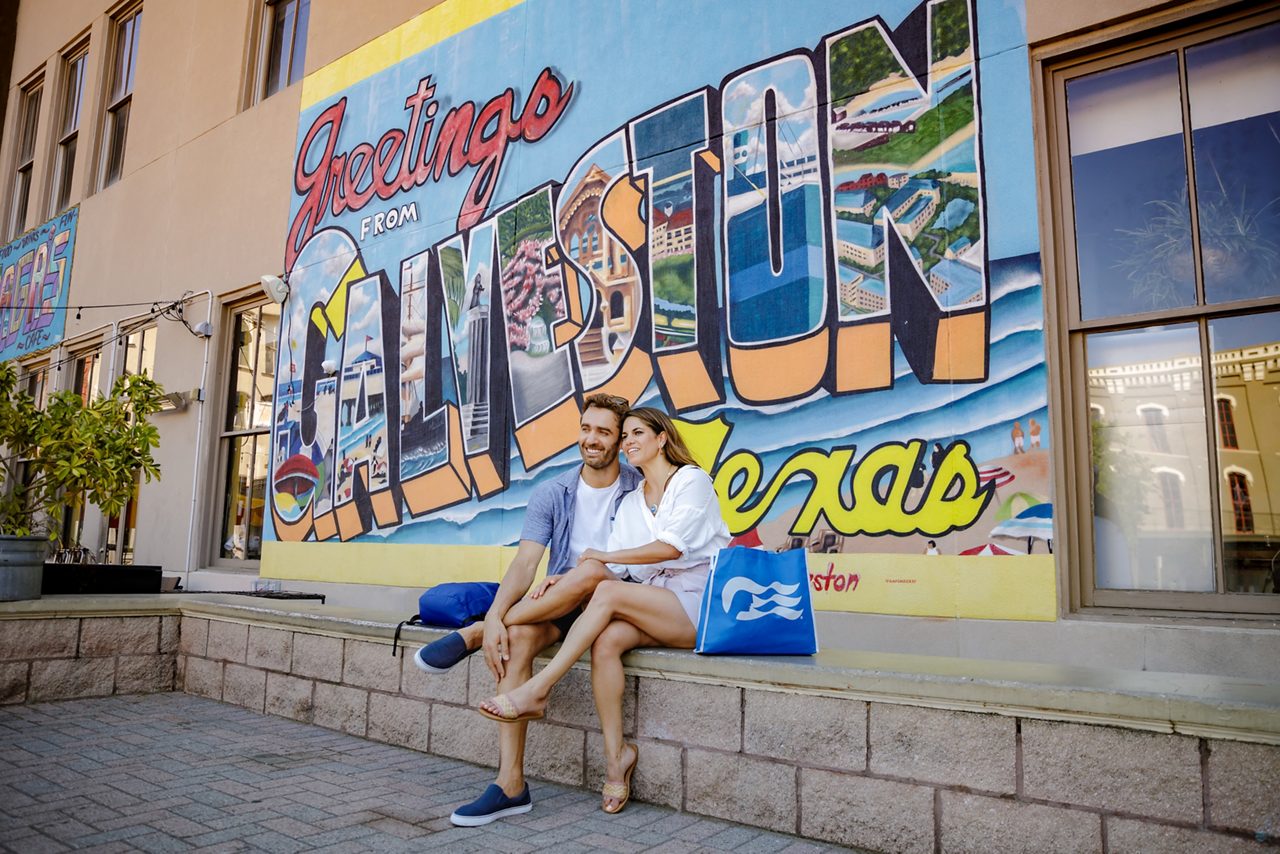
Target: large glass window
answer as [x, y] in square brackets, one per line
[127, 29]
[285, 34]
[34, 382]
[122, 529]
[86, 371]
[1168, 172]
[246, 431]
[28, 123]
[69, 128]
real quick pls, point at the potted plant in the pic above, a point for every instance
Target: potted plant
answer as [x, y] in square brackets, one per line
[94, 450]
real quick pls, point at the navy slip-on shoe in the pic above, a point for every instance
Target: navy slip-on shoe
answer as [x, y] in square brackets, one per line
[491, 806]
[442, 654]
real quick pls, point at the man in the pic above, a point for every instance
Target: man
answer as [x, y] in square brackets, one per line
[569, 514]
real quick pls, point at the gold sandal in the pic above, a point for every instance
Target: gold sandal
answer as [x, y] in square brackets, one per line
[621, 792]
[507, 711]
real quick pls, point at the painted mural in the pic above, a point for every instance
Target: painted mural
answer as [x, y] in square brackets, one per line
[788, 227]
[35, 280]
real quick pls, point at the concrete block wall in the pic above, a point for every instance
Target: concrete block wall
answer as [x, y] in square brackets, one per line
[882, 776]
[890, 777]
[64, 658]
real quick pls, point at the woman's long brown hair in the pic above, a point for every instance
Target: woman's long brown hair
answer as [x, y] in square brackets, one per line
[675, 450]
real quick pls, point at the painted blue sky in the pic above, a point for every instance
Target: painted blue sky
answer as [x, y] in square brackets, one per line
[635, 58]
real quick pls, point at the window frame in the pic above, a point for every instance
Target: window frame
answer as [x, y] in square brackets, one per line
[67, 129]
[34, 380]
[122, 367]
[223, 436]
[117, 94]
[72, 525]
[262, 30]
[1053, 63]
[24, 161]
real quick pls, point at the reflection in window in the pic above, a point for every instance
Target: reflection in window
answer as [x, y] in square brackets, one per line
[1129, 176]
[1226, 424]
[1247, 398]
[287, 31]
[1171, 496]
[1234, 88]
[86, 374]
[1154, 417]
[69, 131]
[1153, 523]
[1168, 157]
[128, 28]
[1241, 509]
[30, 117]
[245, 442]
[122, 529]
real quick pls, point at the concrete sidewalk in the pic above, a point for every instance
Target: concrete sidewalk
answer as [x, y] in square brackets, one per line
[171, 772]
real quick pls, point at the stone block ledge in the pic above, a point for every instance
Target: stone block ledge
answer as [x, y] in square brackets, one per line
[893, 753]
[1188, 704]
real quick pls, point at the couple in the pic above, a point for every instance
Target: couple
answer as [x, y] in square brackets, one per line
[662, 525]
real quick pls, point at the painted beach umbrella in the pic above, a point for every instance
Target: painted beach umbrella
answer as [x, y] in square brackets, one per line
[1016, 503]
[990, 550]
[1034, 523]
[997, 474]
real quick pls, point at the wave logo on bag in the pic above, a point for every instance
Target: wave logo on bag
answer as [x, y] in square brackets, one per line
[780, 604]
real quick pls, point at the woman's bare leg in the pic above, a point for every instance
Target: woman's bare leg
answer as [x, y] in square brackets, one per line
[574, 588]
[570, 591]
[608, 681]
[654, 610]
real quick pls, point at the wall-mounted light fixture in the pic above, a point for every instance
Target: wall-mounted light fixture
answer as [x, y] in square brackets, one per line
[276, 288]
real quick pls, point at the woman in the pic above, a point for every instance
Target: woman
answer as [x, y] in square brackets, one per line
[664, 536]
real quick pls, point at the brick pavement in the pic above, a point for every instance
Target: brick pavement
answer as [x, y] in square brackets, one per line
[173, 772]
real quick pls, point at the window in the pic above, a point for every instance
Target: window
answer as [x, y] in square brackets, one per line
[246, 430]
[64, 164]
[34, 382]
[85, 373]
[1166, 253]
[28, 122]
[1241, 509]
[122, 530]
[284, 29]
[1154, 417]
[127, 30]
[1171, 498]
[1226, 424]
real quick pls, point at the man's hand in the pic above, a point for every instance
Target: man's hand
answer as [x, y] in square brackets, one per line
[544, 586]
[497, 649]
[594, 554]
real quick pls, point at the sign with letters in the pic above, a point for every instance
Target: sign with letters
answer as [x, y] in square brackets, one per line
[794, 228]
[35, 280]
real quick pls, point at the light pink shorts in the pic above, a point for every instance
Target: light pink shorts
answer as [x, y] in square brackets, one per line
[687, 584]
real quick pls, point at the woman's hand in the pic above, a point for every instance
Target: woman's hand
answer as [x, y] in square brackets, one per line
[594, 554]
[544, 586]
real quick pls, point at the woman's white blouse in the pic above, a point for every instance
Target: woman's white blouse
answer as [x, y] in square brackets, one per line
[688, 519]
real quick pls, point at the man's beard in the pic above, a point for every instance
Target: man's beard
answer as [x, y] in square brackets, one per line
[609, 456]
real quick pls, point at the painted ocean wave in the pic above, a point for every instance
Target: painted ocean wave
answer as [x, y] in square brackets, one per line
[989, 408]
[920, 400]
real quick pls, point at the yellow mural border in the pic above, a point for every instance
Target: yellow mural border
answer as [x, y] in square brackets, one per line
[414, 36]
[987, 588]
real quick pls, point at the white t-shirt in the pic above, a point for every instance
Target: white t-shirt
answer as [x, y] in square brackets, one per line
[592, 508]
[688, 518]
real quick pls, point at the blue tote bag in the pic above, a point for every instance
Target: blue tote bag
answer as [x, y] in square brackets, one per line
[758, 603]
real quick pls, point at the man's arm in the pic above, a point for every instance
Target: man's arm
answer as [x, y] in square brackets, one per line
[515, 583]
